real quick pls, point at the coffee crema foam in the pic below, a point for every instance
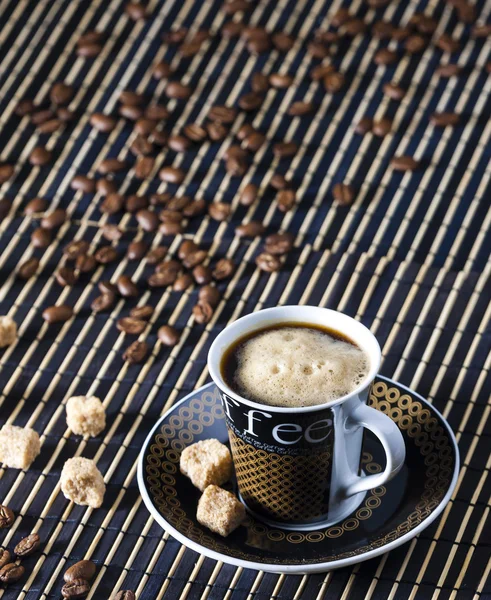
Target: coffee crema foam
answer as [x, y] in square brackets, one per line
[297, 366]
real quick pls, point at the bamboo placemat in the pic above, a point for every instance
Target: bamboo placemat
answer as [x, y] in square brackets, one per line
[410, 259]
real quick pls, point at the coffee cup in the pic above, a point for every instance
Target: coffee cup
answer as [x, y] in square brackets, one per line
[300, 467]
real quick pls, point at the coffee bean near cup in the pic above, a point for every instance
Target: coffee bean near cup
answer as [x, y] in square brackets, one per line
[294, 383]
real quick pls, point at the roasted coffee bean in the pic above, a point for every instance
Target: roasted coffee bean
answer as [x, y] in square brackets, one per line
[284, 149]
[42, 116]
[111, 233]
[61, 93]
[195, 132]
[131, 325]
[83, 569]
[147, 220]
[177, 91]
[282, 41]
[260, 83]
[144, 126]
[133, 113]
[340, 17]
[250, 101]
[231, 30]
[179, 143]
[449, 70]
[172, 175]
[170, 228]
[126, 287]
[168, 335]
[65, 115]
[222, 114]
[343, 193]
[135, 203]
[102, 122]
[259, 42]
[5, 208]
[125, 595]
[203, 312]
[401, 33]
[321, 71]
[4, 557]
[394, 91]
[103, 303]
[40, 238]
[156, 255]
[57, 314]
[131, 98]
[299, 109]
[29, 544]
[27, 270]
[25, 107]
[481, 31]
[446, 43]
[286, 199]
[141, 146]
[364, 125]
[202, 274]
[136, 352]
[159, 137]
[193, 259]
[353, 27]
[444, 119]
[106, 187]
[50, 126]
[216, 131]
[219, 211]
[136, 11]
[89, 50]
[36, 205]
[195, 208]
[112, 165]
[7, 516]
[166, 275]
[236, 166]
[385, 57]
[244, 131]
[178, 202]
[106, 255]
[209, 294]
[327, 37]
[190, 49]
[144, 167]
[160, 199]
[171, 216]
[382, 127]
[280, 81]
[382, 30]
[404, 163]
[40, 156]
[254, 141]
[76, 588]
[278, 182]
[6, 172]
[143, 312]
[224, 269]
[11, 572]
[267, 262]
[84, 183]
[231, 7]
[466, 12]
[112, 204]
[90, 37]
[249, 194]
[415, 44]
[186, 248]
[54, 219]
[279, 243]
[182, 283]
[76, 248]
[175, 37]
[161, 70]
[235, 151]
[66, 276]
[106, 287]
[85, 263]
[334, 82]
[250, 230]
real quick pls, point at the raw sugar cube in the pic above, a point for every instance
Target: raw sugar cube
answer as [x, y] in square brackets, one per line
[206, 462]
[19, 446]
[82, 482]
[85, 415]
[220, 510]
[8, 331]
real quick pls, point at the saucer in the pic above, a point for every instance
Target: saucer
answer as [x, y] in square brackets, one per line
[389, 516]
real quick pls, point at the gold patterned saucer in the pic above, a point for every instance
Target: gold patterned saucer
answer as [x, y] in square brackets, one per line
[390, 515]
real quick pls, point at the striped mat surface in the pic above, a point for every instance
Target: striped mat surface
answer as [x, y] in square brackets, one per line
[409, 258]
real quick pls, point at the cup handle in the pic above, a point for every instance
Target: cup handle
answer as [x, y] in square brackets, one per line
[391, 438]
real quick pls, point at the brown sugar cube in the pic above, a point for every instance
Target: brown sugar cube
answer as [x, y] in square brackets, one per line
[85, 415]
[8, 331]
[220, 510]
[207, 462]
[19, 446]
[82, 482]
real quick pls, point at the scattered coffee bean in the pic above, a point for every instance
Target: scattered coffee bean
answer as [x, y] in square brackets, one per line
[7, 516]
[103, 303]
[193, 259]
[40, 238]
[58, 314]
[75, 589]
[76, 248]
[394, 91]
[89, 50]
[343, 193]
[25, 107]
[179, 143]
[136, 352]
[209, 294]
[186, 248]
[126, 287]
[216, 131]
[144, 167]
[278, 182]
[224, 269]
[155, 255]
[83, 183]
[195, 132]
[446, 43]
[382, 30]
[172, 175]
[143, 312]
[102, 122]
[219, 211]
[321, 71]
[50, 126]
[10, 573]
[161, 70]
[385, 57]
[284, 149]
[112, 165]
[5, 557]
[85, 263]
[182, 283]
[279, 243]
[27, 270]
[6, 172]
[111, 232]
[144, 126]
[449, 70]
[202, 275]
[83, 569]
[250, 230]
[195, 208]
[141, 146]
[131, 326]
[268, 262]
[125, 595]
[65, 115]
[244, 131]
[66, 276]
[260, 83]
[286, 199]
[481, 31]
[135, 11]
[415, 44]
[202, 312]
[249, 194]
[112, 204]
[231, 30]
[54, 219]
[135, 203]
[444, 119]
[106, 187]
[29, 544]
[157, 112]
[5, 208]
[106, 287]
[258, 42]
[353, 27]
[40, 156]
[133, 113]
[147, 220]
[170, 228]
[334, 82]
[177, 91]
[236, 166]
[106, 255]
[42, 116]
[299, 109]
[222, 114]
[279, 81]
[250, 101]
[404, 163]
[364, 125]
[36, 205]
[168, 335]
[175, 37]
[61, 93]
[171, 216]
[382, 127]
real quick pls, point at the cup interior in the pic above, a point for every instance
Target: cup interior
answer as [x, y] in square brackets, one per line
[349, 327]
